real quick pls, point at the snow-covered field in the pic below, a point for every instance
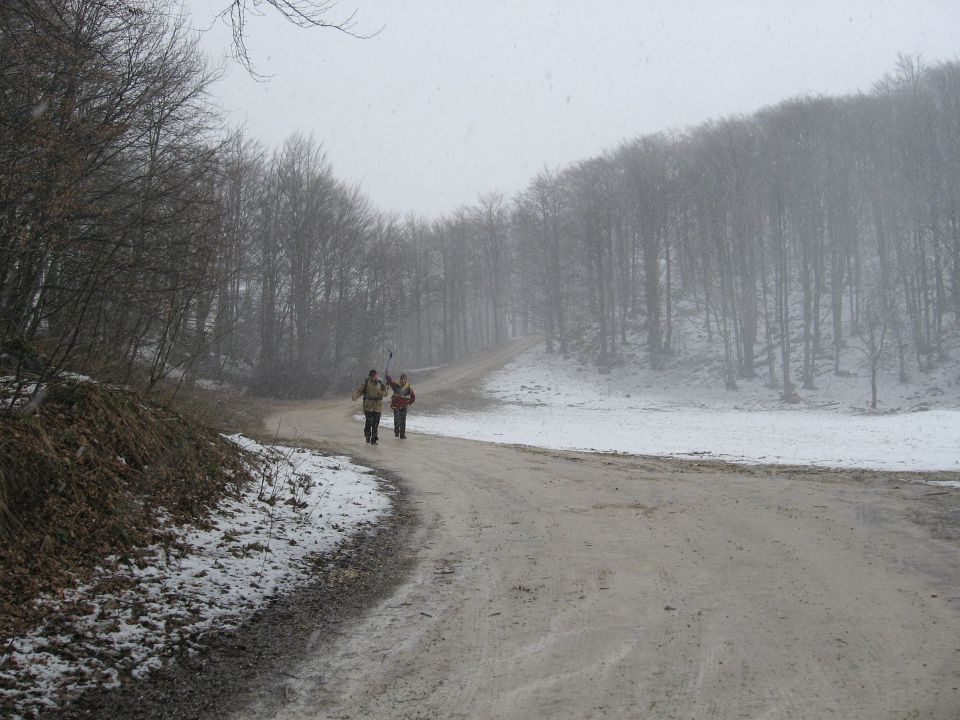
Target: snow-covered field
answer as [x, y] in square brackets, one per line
[133, 615]
[552, 402]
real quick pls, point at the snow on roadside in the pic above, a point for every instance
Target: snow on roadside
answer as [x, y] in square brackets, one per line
[548, 401]
[15, 392]
[133, 615]
[920, 441]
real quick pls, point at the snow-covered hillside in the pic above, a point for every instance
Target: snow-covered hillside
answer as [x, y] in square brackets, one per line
[684, 410]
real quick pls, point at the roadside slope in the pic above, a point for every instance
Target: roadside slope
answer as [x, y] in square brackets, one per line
[551, 584]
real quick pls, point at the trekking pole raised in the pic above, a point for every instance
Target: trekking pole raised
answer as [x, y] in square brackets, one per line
[386, 368]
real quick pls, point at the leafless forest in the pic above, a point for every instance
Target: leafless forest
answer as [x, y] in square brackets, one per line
[140, 240]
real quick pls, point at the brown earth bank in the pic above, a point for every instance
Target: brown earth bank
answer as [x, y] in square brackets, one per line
[516, 582]
[88, 476]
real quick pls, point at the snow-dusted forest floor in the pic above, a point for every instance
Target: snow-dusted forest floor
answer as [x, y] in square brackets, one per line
[683, 410]
[137, 613]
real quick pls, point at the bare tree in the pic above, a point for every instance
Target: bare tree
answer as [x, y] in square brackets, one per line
[302, 13]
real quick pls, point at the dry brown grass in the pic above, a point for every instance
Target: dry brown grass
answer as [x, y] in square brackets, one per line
[227, 410]
[86, 478]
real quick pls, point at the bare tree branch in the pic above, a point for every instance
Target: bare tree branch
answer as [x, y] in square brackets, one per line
[302, 13]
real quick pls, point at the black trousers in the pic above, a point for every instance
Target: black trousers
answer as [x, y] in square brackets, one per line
[400, 422]
[371, 425]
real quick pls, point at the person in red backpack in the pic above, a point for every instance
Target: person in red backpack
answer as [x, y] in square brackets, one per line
[403, 397]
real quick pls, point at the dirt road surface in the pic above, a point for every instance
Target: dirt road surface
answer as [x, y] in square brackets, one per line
[564, 585]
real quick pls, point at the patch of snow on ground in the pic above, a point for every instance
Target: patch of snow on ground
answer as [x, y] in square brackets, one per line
[552, 402]
[133, 615]
[945, 483]
[76, 377]
[15, 392]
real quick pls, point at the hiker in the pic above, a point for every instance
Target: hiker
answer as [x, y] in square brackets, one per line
[373, 391]
[403, 397]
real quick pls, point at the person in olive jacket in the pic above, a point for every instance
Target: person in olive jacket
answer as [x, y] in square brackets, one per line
[403, 397]
[373, 391]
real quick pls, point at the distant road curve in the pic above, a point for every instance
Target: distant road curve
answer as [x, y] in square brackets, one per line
[565, 585]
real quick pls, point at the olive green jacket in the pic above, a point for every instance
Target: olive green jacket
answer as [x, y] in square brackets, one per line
[373, 393]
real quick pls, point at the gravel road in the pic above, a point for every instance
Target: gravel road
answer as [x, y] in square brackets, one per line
[548, 584]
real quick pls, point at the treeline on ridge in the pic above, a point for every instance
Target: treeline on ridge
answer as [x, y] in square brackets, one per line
[138, 240]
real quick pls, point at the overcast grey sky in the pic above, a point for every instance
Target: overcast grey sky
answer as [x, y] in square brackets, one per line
[453, 99]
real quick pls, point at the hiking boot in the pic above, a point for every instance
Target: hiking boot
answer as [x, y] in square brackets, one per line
[373, 442]
[403, 436]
